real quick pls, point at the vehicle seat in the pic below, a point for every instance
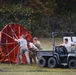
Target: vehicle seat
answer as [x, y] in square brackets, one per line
[61, 50]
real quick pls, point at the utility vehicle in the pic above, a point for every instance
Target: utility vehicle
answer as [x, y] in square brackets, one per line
[58, 56]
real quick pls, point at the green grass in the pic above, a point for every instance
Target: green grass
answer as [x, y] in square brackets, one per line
[38, 73]
[34, 69]
[9, 69]
[46, 43]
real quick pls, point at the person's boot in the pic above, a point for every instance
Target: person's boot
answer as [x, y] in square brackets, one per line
[30, 60]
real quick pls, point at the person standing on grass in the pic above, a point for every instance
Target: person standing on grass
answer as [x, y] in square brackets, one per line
[68, 45]
[23, 49]
[33, 50]
[37, 43]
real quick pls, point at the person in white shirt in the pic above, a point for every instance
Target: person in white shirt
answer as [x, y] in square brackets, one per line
[68, 45]
[33, 49]
[23, 49]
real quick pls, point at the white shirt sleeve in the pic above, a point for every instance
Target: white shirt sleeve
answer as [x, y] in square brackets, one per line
[72, 43]
[33, 46]
[62, 44]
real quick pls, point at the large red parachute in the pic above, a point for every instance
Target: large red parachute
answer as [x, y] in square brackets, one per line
[10, 48]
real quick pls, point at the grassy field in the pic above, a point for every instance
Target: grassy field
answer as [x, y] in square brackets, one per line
[47, 43]
[9, 69]
[34, 69]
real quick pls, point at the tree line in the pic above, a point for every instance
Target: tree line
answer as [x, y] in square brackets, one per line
[40, 17]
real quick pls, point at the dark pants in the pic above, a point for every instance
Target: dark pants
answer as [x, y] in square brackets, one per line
[33, 56]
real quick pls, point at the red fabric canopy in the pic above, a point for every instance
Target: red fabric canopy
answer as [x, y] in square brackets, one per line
[10, 47]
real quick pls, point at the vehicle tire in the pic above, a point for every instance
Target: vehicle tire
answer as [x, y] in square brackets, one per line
[72, 64]
[52, 62]
[42, 62]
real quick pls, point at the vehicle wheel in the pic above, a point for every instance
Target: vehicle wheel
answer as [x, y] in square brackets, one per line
[72, 63]
[52, 62]
[42, 62]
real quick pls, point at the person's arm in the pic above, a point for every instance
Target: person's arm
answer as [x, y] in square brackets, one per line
[61, 44]
[73, 43]
[32, 46]
[16, 40]
[35, 47]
